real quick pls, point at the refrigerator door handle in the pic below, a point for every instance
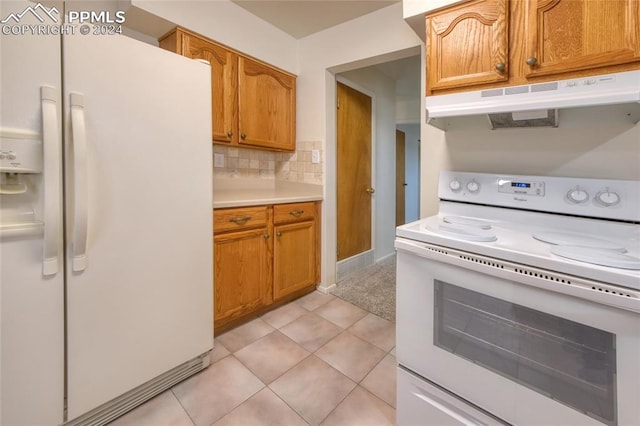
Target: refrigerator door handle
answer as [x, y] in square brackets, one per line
[80, 188]
[51, 177]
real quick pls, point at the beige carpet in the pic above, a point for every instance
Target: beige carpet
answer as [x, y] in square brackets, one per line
[372, 289]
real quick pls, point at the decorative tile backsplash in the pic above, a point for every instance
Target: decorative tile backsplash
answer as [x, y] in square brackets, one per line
[290, 166]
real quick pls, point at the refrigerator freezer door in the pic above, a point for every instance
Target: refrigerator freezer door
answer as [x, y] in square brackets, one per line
[31, 304]
[143, 303]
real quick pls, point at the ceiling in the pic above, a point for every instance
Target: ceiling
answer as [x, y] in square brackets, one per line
[300, 18]
[406, 73]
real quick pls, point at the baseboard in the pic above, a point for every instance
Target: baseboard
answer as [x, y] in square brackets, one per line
[326, 290]
[383, 258]
[354, 264]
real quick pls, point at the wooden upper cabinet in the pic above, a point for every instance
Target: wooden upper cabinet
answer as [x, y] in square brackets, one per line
[572, 35]
[254, 104]
[467, 45]
[224, 80]
[267, 111]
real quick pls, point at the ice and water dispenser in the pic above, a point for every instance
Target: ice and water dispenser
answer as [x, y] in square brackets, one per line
[21, 158]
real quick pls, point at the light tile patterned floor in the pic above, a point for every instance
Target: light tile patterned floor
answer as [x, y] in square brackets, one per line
[316, 361]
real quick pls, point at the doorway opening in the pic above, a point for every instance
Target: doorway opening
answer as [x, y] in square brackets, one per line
[395, 89]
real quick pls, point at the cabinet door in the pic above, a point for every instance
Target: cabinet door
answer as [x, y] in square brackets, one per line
[242, 273]
[294, 258]
[224, 82]
[266, 106]
[571, 35]
[467, 45]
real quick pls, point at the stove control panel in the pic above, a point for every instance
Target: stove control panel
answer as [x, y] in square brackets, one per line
[521, 187]
[604, 198]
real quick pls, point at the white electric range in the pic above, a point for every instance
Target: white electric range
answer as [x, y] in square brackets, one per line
[520, 303]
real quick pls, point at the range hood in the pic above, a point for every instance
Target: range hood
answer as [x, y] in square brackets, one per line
[536, 105]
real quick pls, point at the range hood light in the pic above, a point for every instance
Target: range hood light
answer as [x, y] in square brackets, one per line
[537, 118]
[529, 115]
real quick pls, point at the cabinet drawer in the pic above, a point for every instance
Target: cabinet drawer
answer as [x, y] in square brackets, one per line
[283, 213]
[239, 218]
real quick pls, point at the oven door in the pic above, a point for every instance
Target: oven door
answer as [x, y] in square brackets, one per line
[531, 347]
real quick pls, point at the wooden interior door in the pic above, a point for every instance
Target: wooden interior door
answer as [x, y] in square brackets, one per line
[353, 172]
[400, 178]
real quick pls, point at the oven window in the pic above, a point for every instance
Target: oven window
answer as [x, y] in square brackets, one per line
[569, 362]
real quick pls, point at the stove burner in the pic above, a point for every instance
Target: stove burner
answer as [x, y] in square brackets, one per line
[570, 239]
[465, 232]
[458, 220]
[596, 256]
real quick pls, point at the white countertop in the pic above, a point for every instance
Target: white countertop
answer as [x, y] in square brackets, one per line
[252, 192]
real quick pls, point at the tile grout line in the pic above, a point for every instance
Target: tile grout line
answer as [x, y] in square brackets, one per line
[182, 406]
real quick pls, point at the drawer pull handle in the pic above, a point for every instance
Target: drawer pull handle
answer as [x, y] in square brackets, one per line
[240, 220]
[296, 213]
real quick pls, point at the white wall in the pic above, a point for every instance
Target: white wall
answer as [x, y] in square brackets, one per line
[383, 90]
[412, 170]
[378, 37]
[597, 142]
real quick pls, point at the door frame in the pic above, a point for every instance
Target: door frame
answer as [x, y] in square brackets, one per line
[369, 255]
[401, 187]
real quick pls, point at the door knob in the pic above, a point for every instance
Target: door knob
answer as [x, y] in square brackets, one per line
[370, 190]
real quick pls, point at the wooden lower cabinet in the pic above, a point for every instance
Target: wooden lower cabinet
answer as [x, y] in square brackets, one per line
[263, 256]
[242, 273]
[295, 259]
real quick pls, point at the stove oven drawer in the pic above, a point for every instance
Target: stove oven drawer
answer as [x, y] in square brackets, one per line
[420, 402]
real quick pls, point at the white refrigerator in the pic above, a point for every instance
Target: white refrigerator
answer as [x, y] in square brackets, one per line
[106, 281]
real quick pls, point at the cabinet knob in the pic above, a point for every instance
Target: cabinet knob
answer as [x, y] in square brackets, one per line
[267, 236]
[500, 66]
[278, 234]
[532, 61]
[243, 136]
[229, 134]
[370, 190]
